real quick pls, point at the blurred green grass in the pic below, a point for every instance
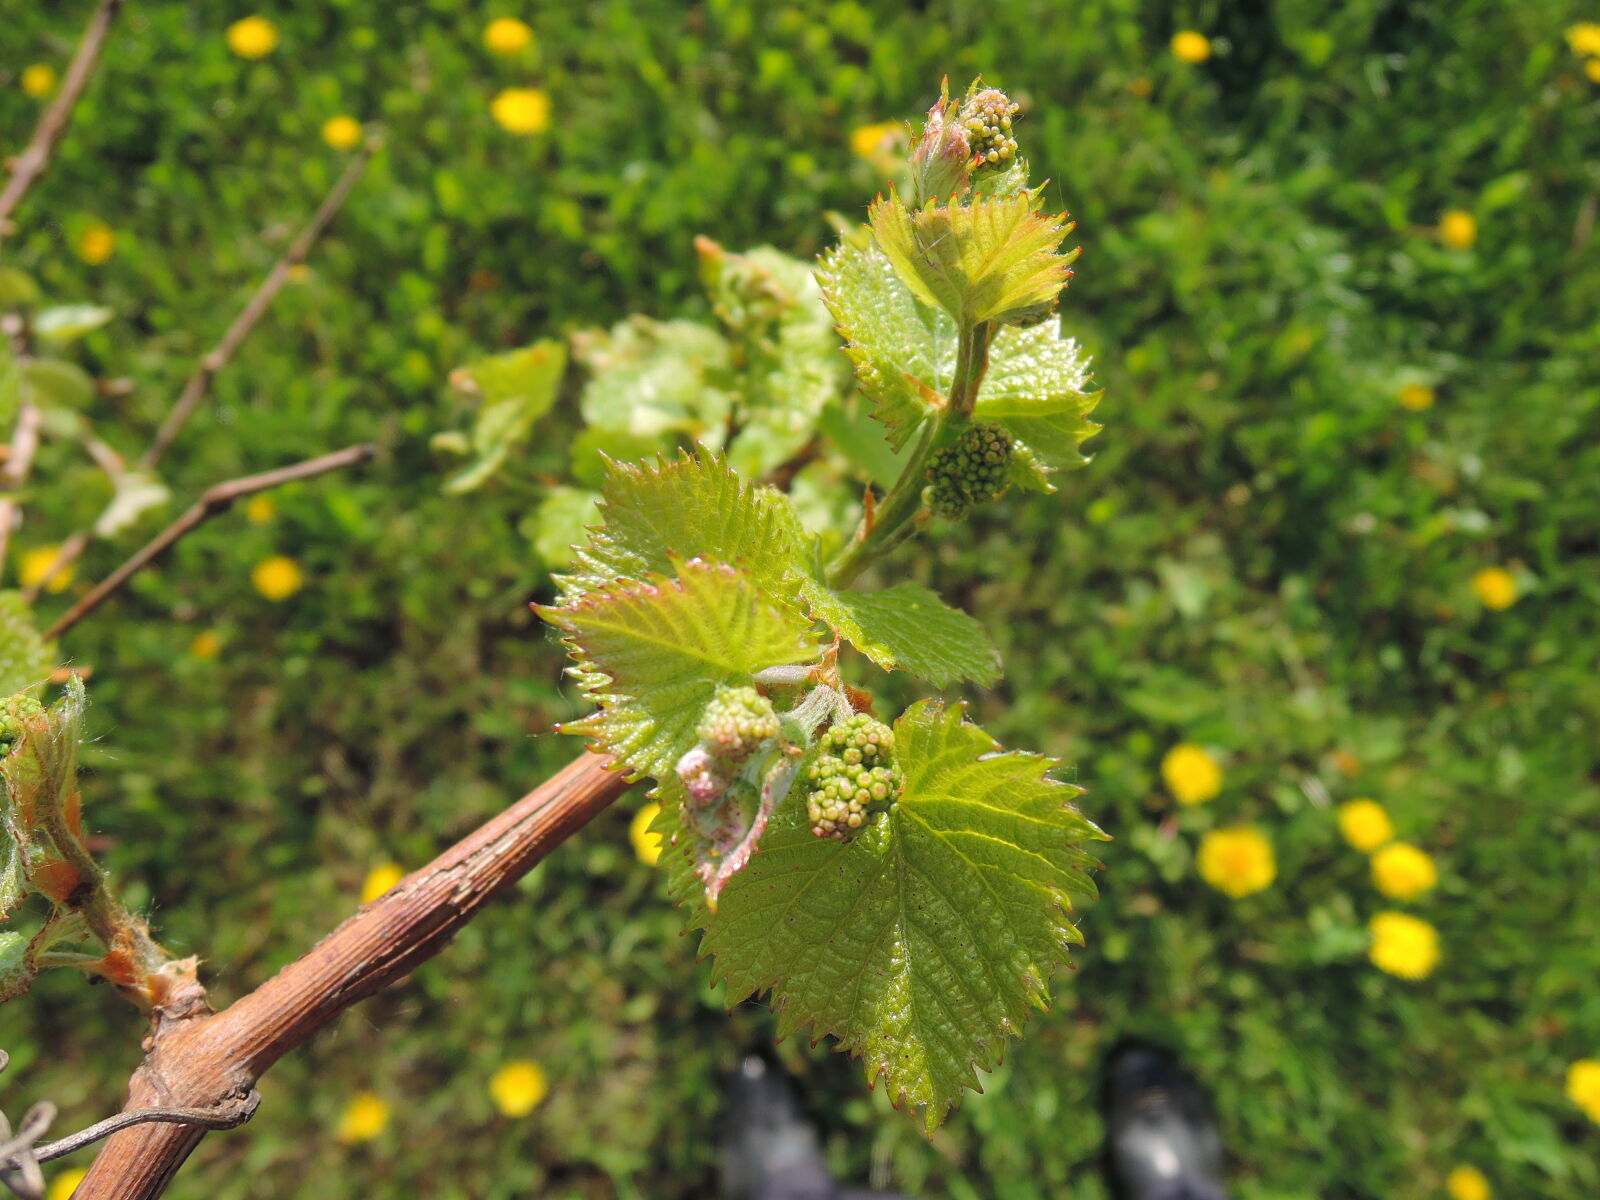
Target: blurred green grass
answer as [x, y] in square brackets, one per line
[1269, 556]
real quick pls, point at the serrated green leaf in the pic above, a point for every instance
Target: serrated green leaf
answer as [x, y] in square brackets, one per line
[928, 938]
[1036, 388]
[907, 627]
[516, 389]
[16, 964]
[651, 377]
[560, 523]
[693, 506]
[68, 322]
[904, 351]
[26, 659]
[652, 653]
[993, 260]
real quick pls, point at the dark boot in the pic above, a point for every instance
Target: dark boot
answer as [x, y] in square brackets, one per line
[1161, 1139]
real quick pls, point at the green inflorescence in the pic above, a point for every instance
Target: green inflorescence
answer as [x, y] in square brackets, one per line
[736, 722]
[969, 472]
[14, 711]
[986, 117]
[853, 777]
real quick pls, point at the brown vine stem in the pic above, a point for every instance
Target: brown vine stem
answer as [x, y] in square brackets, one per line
[208, 1061]
[216, 499]
[212, 363]
[206, 369]
[19, 461]
[30, 164]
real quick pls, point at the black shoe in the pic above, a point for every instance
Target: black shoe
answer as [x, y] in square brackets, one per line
[769, 1149]
[1161, 1139]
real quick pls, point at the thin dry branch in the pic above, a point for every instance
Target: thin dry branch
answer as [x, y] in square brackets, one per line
[215, 500]
[204, 1061]
[206, 369]
[199, 381]
[19, 461]
[30, 164]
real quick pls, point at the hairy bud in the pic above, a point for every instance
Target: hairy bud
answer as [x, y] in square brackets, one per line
[852, 778]
[941, 158]
[969, 472]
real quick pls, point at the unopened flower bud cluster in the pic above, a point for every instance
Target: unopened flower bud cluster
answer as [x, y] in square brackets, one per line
[969, 472]
[853, 777]
[986, 116]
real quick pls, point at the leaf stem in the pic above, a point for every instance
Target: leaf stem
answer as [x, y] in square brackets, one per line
[892, 520]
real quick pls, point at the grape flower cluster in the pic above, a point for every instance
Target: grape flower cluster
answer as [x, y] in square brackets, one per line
[968, 472]
[986, 116]
[736, 723]
[853, 776]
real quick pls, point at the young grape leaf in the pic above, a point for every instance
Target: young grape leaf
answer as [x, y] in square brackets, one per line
[652, 377]
[926, 939]
[908, 627]
[692, 506]
[1035, 388]
[652, 653]
[994, 260]
[904, 351]
[515, 390]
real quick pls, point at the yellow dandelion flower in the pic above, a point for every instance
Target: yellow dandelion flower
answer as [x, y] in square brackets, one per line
[1584, 38]
[277, 578]
[1583, 1087]
[1416, 396]
[206, 646]
[507, 36]
[1237, 862]
[1495, 588]
[1458, 230]
[342, 132]
[1403, 945]
[1191, 774]
[252, 37]
[1467, 1183]
[64, 1184]
[646, 845]
[38, 81]
[364, 1118]
[1402, 872]
[260, 509]
[1365, 824]
[95, 244]
[522, 110]
[35, 564]
[518, 1087]
[299, 273]
[1191, 47]
[380, 879]
[877, 143]
[1592, 70]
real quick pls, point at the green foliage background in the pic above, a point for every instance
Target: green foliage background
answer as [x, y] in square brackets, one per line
[1268, 556]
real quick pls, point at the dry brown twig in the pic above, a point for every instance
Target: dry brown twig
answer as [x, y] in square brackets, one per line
[30, 164]
[216, 499]
[210, 364]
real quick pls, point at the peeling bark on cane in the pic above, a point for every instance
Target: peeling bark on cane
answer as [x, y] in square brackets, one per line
[205, 1059]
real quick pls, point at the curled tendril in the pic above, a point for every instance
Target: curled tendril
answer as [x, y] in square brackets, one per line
[20, 1156]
